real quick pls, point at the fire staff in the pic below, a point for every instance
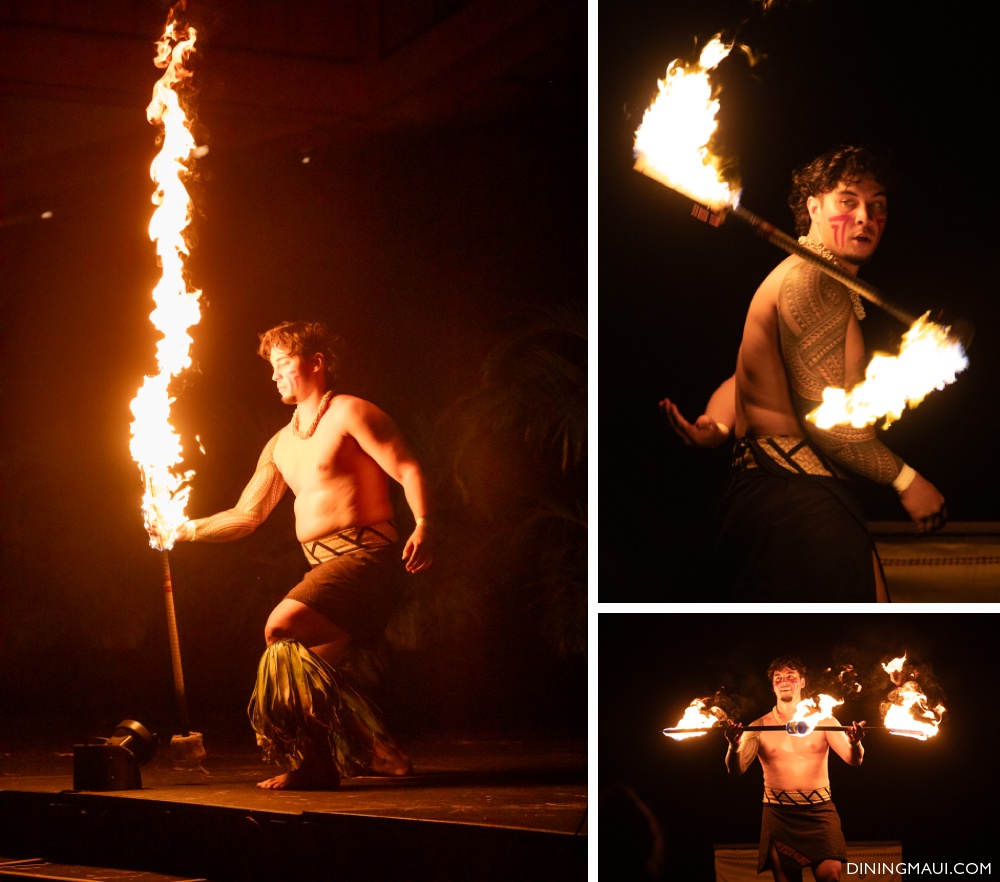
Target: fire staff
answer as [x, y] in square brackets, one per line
[337, 455]
[800, 826]
[790, 527]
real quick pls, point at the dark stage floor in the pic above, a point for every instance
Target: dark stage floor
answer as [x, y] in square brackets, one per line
[474, 809]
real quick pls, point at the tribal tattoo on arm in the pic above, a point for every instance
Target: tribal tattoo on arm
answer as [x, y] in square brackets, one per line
[814, 313]
[739, 759]
[257, 501]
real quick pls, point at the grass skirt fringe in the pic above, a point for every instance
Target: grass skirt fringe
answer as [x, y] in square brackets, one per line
[301, 706]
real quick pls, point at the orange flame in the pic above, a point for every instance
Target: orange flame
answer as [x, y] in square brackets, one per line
[894, 666]
[928, 359]
[671, 144]
[812, 713]
[907, 712]
[155, 446]
[697, 716]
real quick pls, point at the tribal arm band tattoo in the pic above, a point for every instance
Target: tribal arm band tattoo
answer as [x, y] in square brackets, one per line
[257, 501]
[739, 759]
[814, 314]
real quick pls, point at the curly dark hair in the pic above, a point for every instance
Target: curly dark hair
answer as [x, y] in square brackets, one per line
[826, 171]
[304, 339]
[786, 661]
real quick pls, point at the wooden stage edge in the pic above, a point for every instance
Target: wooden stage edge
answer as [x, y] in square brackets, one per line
[473, 810]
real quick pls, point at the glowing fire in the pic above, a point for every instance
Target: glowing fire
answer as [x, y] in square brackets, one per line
[671, 144]
[906, 710]
[697, 716]
[928, 359]
[155, 446]
[811, 713]
[908, 713]
[894, 666]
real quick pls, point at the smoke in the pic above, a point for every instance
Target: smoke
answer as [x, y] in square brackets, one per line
[724, 705]
[916, 687]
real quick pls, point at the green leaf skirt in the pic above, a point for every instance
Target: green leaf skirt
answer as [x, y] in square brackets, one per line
[302, 707]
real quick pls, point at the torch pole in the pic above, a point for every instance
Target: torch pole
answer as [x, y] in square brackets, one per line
[776, 237]
[791, 729]
[175, 648]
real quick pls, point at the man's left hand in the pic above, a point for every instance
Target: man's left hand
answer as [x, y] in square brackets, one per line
[856, 732]
[417, 551]
[703, 432]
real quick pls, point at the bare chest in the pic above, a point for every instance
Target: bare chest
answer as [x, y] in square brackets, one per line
[779, 747]
[328, 454]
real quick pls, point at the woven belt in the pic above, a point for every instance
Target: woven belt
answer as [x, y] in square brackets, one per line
[796, 797]
[347, 541]
[791, 453]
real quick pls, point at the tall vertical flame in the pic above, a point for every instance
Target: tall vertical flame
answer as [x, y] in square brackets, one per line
[155, 446]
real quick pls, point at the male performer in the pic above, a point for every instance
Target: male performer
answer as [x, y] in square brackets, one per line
[336, 454]
[790, 526]
[800, 825]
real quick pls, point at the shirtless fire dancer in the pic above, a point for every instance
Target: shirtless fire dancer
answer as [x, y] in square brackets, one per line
[800, 826]
[337, 455]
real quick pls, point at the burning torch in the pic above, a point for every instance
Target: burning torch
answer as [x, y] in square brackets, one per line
[672, 148]
[155, 446]
[904, 712]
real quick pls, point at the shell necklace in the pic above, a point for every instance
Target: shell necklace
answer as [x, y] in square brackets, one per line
[323, 404]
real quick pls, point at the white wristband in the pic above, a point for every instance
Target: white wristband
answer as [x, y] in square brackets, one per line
[903, 479]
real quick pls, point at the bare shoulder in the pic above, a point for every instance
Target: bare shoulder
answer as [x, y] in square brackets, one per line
[766, 295]
[806, 285]
[347, 407]
[267, 454]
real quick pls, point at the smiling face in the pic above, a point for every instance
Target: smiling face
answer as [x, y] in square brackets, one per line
[788, 685]
[850, 219]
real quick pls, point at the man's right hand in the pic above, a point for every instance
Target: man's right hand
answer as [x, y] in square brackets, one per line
[734, 733]
[158, 536]
[924, 504]
[703, 432]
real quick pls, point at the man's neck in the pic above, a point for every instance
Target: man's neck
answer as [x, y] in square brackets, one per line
[309, 405]
[817, 244]
[786, 706]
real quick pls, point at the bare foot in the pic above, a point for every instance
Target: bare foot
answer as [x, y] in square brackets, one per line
[308, 776]
[390, 760]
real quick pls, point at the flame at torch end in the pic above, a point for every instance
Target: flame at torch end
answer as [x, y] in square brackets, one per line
[907, 709]
[671, 144]
[155, 446]
[929, 358]
[810, 713]
[907, 712]
[697, 716]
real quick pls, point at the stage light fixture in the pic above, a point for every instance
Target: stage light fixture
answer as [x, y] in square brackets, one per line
[113, 763]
